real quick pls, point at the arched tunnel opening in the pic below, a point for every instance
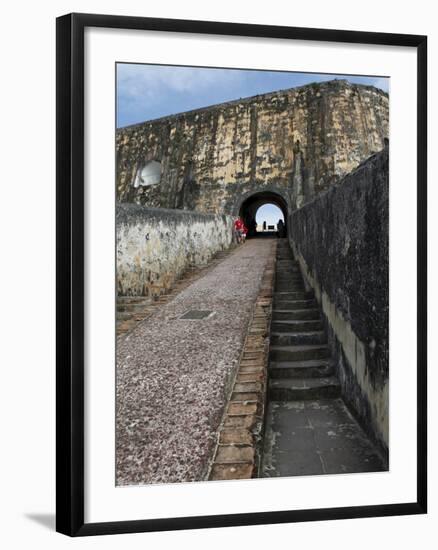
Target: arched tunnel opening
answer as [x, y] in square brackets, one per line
[261, 213]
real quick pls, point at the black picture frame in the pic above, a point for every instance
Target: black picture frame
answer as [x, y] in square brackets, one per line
[70, 273]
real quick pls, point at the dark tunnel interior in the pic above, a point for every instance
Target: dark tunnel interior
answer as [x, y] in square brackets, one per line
[249, 207]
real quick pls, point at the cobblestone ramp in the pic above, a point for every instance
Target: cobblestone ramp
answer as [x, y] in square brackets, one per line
[175, 369]
[308, 428]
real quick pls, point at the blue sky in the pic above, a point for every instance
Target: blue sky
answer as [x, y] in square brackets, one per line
[146, 92]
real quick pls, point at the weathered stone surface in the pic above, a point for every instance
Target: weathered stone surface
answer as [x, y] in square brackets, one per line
[238, 436]
[341, 241]
[316, 437]
[241, 408]
[244, 421]
[244, 396]
[250, 377]
[234, 453]
[155, 246]
[223, 472]
[248, 387]
[296, 142]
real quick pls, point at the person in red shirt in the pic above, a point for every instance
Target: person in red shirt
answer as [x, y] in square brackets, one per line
[239, 227]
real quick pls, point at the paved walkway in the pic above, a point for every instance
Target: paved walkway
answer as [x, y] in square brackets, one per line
[173, 374]
[315, 437]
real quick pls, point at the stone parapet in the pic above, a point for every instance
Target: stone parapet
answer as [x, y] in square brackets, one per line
[156, 246]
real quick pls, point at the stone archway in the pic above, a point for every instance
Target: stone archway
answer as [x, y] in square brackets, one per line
[250, 203]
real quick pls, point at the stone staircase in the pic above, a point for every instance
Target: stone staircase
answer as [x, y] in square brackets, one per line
[300, 360]
[308, 428]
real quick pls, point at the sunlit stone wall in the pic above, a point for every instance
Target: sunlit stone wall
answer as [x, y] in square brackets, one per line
[299, 141]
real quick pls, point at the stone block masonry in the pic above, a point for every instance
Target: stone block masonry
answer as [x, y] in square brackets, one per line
[341, 242]
[296, 142]
[155, 246]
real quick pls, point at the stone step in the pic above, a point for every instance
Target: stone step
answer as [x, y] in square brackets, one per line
[298, 338]
[289, 287]
[290, 389]
[299, 353]
[123, 315]
[295, 314]
[313, 368]
[133, 308]
[298, 295]
[280, 303]
[286, 265]
[132, 299]
[288, 274]
[296, 326]
[125, 326]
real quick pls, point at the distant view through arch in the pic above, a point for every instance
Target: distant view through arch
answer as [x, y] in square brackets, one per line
[265, 206]
[267, 217]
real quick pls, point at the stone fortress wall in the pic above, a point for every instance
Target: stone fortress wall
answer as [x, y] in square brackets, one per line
[297, 142]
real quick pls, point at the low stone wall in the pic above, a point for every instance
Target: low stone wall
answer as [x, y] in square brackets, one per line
[155, 246]
[341, 242]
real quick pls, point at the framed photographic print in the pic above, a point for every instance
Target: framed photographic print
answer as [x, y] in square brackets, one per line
[241, 274]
